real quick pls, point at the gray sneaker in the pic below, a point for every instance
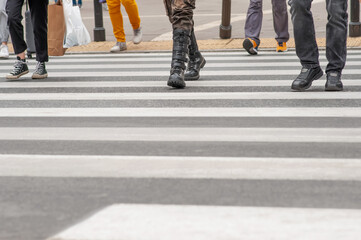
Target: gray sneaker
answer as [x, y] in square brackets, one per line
[4, 51]
[118, 47]
[137, 38]
[20, 69]
[40, 71]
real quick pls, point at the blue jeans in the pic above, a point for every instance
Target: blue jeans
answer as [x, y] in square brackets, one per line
[79, 2]
[336, 33]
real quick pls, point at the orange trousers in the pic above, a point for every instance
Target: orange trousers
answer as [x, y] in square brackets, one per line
[117, 19]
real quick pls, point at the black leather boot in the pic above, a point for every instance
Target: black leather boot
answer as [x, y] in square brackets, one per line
[196, 60]
[179, 58]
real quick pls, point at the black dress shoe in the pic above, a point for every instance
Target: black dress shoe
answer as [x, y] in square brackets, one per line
[334, 82]
[306, 77]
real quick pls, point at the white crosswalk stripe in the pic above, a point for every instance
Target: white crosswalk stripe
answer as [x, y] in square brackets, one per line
[239, 122]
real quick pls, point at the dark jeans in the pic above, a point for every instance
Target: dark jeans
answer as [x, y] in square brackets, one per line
[39, 19]
[336, 33]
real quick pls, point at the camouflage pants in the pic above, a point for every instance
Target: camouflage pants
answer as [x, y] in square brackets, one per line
[180, 13]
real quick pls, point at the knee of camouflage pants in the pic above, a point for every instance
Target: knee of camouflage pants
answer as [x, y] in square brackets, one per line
[180, 13]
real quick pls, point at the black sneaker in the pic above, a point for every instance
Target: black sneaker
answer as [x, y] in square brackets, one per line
[20, 69]
[306, 77]
[333, 82]
[40, 71]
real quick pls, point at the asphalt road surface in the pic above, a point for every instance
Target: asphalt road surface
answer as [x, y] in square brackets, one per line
[105, 143]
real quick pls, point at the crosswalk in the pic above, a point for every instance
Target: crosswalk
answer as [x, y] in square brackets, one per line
[245, 154]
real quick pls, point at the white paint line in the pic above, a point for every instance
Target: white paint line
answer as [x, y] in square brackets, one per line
[124, 60]
[180, 167]
[165, 222]
[320, 135]
[166, 55]
[180, 112]
[167, 65]
[165, 73]
[168, 36]
[181, 96]
[140, 84]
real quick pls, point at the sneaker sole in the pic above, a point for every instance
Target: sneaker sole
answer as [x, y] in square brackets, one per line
[248, 46]
[333, 88]
[17, 76]
[317, 76]
[37, 76]
[198, 76]
[118, 51]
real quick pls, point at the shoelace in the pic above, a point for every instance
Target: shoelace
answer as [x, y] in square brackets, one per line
[17, 67]
[39, 66]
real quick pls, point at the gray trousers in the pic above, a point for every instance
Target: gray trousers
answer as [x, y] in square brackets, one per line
[336, 33]
[4, 28]
[253, 24]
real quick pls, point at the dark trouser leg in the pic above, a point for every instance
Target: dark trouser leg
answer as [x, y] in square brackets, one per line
[280, 20]
[39, 18]
[253, 25]
[336, 34]
[304, 33]
[16, 29]
[196, 60]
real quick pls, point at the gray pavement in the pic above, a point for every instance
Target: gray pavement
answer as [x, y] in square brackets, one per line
[45, 194]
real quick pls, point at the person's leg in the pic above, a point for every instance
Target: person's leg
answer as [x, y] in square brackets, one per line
[74, 2]
[182, 14]
[336, 40]
[16, 29]
[132, 9]
[182, 21]
[4, 28]
[336, 34]
[253, 25]
[306, 46]
[304, 33]
[39, 19]
[280, 23]
[14, 8]
[4, 31]
[196, 60]
[117, 19]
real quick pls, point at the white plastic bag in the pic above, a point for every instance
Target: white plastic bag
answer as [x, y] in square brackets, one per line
[76, 33]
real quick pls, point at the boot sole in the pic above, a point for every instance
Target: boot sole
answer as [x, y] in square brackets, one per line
[37, 76]
[320, 74]
[196, 77]
[333, 88]
[17, 76]
[176, 83]
[248, 45]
